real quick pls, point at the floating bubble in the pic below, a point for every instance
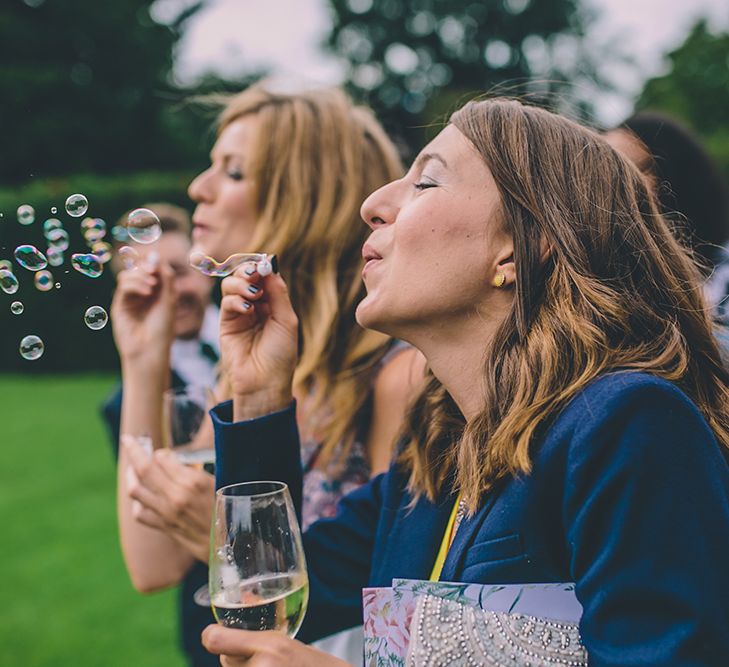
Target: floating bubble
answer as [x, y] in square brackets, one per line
[129, 257]
[58, 239]
[95, 318]
[77, 205]
[102, 250]
[120, 233]
[26, 214]
[88, 264]
[55, 256]
[31, 348]
[58, 285]
[94, 229]
[8, 281]
[143, 226]
[54, 210]
[44, 281]
[51, 224]
[16, 307]
[6, 264]
[29, 257]
[210, 267]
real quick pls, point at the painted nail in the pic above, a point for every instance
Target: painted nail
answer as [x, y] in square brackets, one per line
[246, 305]
[250, 270]
[274, 263]
[252, 289]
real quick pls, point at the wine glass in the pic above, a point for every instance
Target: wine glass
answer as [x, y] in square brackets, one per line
[258, 578]
[185, 414]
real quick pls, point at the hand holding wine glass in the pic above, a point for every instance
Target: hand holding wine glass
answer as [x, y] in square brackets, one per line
[258, 340]
[258, 578]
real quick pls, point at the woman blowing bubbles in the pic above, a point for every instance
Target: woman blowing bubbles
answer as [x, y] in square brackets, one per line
[577, 405]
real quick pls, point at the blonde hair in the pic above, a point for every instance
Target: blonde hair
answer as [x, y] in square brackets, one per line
[617, 292]
[315, 158]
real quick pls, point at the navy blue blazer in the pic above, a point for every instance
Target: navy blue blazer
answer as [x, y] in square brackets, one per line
[628, 498]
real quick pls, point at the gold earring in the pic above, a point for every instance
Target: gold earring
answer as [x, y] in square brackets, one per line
[499, 280]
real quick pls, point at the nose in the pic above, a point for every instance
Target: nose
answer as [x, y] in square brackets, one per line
[200, 189]
[380, 207]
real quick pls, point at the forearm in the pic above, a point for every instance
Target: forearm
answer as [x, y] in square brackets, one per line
[153, 559]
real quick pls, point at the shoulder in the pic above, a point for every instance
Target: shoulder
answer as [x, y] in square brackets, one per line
[400, 374]
[636, 419]
[624, 393]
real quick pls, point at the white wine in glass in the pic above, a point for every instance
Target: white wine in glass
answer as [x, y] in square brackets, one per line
[258, 577]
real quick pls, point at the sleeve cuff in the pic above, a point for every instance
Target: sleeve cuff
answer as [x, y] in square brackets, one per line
[264, 448]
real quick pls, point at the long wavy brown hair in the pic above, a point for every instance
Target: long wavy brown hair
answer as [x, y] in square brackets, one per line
[618, 291]
[316, 157]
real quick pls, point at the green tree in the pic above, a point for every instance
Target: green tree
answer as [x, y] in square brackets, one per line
[86, 88]
[696, 89]
[414, 59]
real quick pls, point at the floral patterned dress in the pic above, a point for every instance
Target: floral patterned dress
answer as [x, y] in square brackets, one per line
[324, 486]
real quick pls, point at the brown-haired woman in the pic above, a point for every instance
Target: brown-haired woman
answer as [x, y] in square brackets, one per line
[287, 176]
[578, 410]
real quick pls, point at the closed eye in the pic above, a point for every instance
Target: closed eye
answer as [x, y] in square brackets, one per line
[424, 185]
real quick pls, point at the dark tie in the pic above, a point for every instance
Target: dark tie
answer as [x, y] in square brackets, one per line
[208, 351]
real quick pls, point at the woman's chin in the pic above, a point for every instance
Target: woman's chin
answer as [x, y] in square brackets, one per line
[370, 315]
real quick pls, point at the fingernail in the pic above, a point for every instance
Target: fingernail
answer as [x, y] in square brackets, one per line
[250, 270]
[246, 305]
[274, 263]
[153, 258]
[252, 289]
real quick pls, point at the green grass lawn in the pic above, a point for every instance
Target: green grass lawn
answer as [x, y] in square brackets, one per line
[66, 598]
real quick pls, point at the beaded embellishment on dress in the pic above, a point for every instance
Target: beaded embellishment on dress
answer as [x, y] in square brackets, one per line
[444, 632]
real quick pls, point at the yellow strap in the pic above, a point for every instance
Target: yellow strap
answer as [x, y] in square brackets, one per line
[445, 543]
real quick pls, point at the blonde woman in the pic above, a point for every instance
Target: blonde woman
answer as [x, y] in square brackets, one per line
[287, 176]
[575, 427]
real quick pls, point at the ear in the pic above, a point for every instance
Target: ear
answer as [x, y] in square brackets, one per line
[504, 267]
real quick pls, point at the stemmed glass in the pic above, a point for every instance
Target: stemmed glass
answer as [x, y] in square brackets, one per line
[258, 578]
[185, 417]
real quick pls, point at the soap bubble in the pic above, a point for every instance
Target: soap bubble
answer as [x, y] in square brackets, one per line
[102, 250]
[129, 257]
[44, 281]
[210, 267]
[143, 225]
[54, 210]
[51, 224]
[26, 214]
[95, 317]
[16, 307]
[87, 264]
[120, 233]
[77, 205]
[6, 264]
[94, 229]
[8, 281]
[55, 256]
[58, 239]
[58, 285]
[31, 348]
[29, 257]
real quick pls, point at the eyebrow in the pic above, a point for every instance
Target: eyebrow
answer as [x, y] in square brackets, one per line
[427, 157]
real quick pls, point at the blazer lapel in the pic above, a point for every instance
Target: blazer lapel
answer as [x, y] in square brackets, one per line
[414, 540]
[464, 538]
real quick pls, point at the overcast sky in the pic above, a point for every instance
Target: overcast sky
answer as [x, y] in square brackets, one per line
[234, 36]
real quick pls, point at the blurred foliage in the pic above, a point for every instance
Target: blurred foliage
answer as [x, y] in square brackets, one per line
[696, 89]
[88, 87]
[415, 60]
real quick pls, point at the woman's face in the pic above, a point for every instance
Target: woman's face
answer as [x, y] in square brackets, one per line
[437, 243]
[225, 217]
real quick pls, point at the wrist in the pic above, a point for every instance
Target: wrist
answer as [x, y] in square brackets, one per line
[250, 405]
